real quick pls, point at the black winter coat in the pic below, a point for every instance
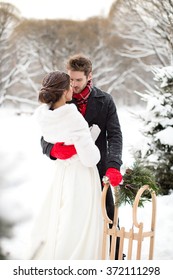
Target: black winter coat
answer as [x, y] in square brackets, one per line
[101, 110]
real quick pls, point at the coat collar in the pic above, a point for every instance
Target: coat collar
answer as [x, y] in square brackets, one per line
[95, 101]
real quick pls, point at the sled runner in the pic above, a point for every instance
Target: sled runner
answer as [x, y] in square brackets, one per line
[136, 233]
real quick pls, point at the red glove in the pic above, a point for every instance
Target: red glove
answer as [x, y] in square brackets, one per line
[61, 151]
[114, 176]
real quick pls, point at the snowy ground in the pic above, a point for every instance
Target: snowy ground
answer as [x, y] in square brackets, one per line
[25, 173]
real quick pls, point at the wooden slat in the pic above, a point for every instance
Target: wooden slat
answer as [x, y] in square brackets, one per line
[130, 245]
[139, 242]
[113, 243]
[153, 224]
[120, 253]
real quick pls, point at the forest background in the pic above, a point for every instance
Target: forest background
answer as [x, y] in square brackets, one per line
[123, 47]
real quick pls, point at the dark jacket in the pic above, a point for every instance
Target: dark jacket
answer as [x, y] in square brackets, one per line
[101, 110]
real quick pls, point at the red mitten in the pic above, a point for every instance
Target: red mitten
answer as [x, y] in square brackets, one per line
[114, 176]
[61, 151]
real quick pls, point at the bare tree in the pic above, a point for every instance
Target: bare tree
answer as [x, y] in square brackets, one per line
[9, 18]
[157, 16]
[145, 31]
[147, 27]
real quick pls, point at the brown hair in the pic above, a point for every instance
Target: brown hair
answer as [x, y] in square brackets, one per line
[79, 62]
[53, 86]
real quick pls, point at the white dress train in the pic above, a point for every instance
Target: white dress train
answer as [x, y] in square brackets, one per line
[75, 222]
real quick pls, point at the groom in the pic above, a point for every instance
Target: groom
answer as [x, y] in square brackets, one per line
[97, 107]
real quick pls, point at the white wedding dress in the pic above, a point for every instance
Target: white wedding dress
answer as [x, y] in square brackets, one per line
[74, 222]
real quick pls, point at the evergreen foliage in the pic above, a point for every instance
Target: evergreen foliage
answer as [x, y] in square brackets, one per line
[133, 179]
[157, 154]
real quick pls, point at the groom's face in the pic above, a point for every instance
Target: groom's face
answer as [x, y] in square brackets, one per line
[78, 80]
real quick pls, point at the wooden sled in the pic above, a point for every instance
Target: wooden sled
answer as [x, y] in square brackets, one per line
[136, 233]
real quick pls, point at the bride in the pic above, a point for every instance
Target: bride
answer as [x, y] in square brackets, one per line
[74, 222]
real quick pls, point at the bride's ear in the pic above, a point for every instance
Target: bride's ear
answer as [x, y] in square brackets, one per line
[66, 96]
[65, 93]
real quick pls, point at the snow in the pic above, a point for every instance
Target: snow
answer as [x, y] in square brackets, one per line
[26, 173]
[164, 74]
[166, 136]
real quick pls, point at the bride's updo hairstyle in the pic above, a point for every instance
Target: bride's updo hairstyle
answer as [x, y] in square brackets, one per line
[53, 86]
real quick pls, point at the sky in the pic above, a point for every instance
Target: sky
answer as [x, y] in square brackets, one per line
[67, 9]
[29, 181]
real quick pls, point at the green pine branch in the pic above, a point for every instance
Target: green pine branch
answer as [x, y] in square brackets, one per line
[133, 179]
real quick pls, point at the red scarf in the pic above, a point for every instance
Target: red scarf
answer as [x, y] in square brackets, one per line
[82, 98]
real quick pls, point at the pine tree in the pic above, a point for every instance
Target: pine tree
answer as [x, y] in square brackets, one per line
[157, 153]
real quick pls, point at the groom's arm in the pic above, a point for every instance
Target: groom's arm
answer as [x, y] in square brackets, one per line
[46, 148]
